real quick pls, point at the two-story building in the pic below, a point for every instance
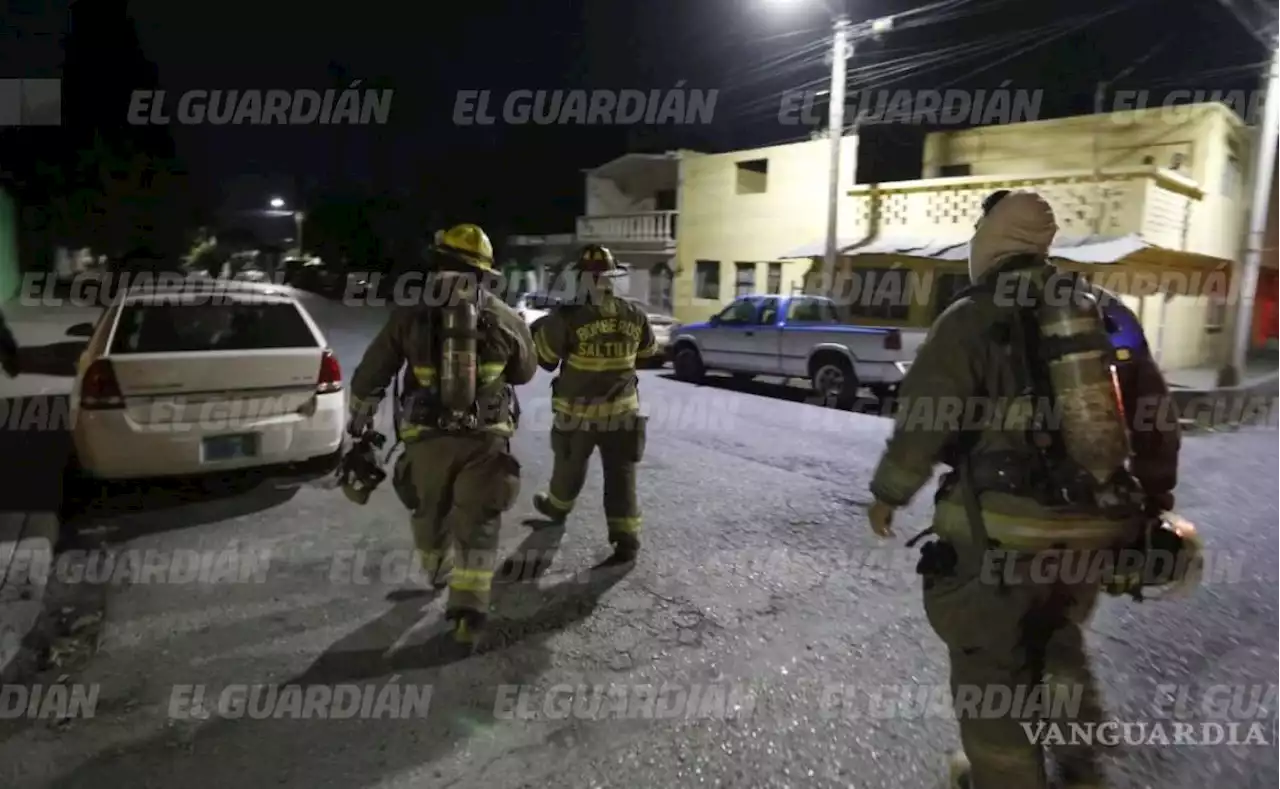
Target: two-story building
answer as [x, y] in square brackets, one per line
[739, 209]
[1151, 202]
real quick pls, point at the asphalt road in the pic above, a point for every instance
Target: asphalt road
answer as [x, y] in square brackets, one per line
[761, 589]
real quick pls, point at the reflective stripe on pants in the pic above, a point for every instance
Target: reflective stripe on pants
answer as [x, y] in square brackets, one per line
[572, 450]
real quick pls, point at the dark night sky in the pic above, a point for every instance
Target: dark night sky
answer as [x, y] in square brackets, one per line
[530, 175]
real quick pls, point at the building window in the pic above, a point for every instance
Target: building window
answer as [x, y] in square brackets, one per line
[706, 279]
[774, 283]
[753, 177]
[1215, 316]
[954, 170]
[744, 279]
[880, 294]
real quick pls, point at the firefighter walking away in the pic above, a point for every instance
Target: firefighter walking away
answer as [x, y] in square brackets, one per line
[594, 343]
[1060, 475]
[462, 352]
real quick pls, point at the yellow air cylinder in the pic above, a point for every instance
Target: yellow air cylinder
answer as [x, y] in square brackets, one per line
[1084, 380]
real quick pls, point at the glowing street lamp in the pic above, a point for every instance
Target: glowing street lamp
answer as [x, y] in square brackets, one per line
[277, 203]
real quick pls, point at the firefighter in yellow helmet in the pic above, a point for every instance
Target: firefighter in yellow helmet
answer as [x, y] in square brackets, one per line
[594, 342]
[463, 350]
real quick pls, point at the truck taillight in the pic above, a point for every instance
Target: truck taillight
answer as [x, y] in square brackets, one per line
[330, 374]
[893, 340]
[100, 390]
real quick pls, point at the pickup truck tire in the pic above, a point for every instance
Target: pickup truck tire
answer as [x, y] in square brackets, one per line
[834, 381]
[687, 364]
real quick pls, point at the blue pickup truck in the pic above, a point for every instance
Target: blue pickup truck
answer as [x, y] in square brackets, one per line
[796, 337]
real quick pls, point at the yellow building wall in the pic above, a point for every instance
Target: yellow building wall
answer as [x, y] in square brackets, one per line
[717, 223]
[1213, 142]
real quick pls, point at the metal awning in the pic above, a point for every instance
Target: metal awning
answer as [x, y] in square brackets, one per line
[1098, 250]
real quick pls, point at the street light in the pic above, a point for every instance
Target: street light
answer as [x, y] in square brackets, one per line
[277, 205]
[844, 36]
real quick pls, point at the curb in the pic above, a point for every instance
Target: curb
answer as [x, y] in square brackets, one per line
[1248, 403]
[25, 563]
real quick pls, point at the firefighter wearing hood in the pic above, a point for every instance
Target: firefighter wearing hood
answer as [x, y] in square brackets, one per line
[1047, 467]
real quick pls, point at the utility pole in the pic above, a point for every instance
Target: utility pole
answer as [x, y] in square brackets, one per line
[1264, 163]
[841, 50]
[843, 42]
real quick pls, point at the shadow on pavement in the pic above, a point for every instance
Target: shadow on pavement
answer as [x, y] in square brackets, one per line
[780, 391]
[57, 359]
[124, 511]
[361, 750]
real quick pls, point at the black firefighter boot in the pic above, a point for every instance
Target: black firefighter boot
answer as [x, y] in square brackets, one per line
[542, 503]
[466, 628]
[625, 549]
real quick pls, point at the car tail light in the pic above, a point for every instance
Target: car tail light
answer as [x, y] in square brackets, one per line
[330, 374]
[893, 340]
[99, 389]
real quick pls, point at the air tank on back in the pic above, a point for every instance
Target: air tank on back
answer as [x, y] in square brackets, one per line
[1083, 377]
[458, 324]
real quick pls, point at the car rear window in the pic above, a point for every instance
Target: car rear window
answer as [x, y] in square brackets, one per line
[178, 328]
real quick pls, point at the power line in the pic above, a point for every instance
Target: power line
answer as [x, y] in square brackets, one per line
[1036, 45]
[779, 65]
[813, 52]
[1040, 43]
[949, 17]
[1248, 25]
[1136, 64]
[888, 72]
[943, 5]
[919, 62]
[1222, 71]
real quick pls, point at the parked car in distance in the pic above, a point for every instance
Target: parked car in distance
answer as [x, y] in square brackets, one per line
[797, 337]
[173, 382]
[663, 326]
[532, 306]
[251, 275]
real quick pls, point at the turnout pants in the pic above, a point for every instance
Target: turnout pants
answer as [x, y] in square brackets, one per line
[1017, 640]
[463, 485]
[621, 446]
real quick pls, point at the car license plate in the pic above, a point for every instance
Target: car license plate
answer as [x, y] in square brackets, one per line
[216, 448]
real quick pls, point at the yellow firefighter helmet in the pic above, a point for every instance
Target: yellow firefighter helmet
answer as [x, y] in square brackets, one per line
[468, 243]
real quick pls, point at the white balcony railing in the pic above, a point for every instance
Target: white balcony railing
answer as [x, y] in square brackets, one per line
[650, 226]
